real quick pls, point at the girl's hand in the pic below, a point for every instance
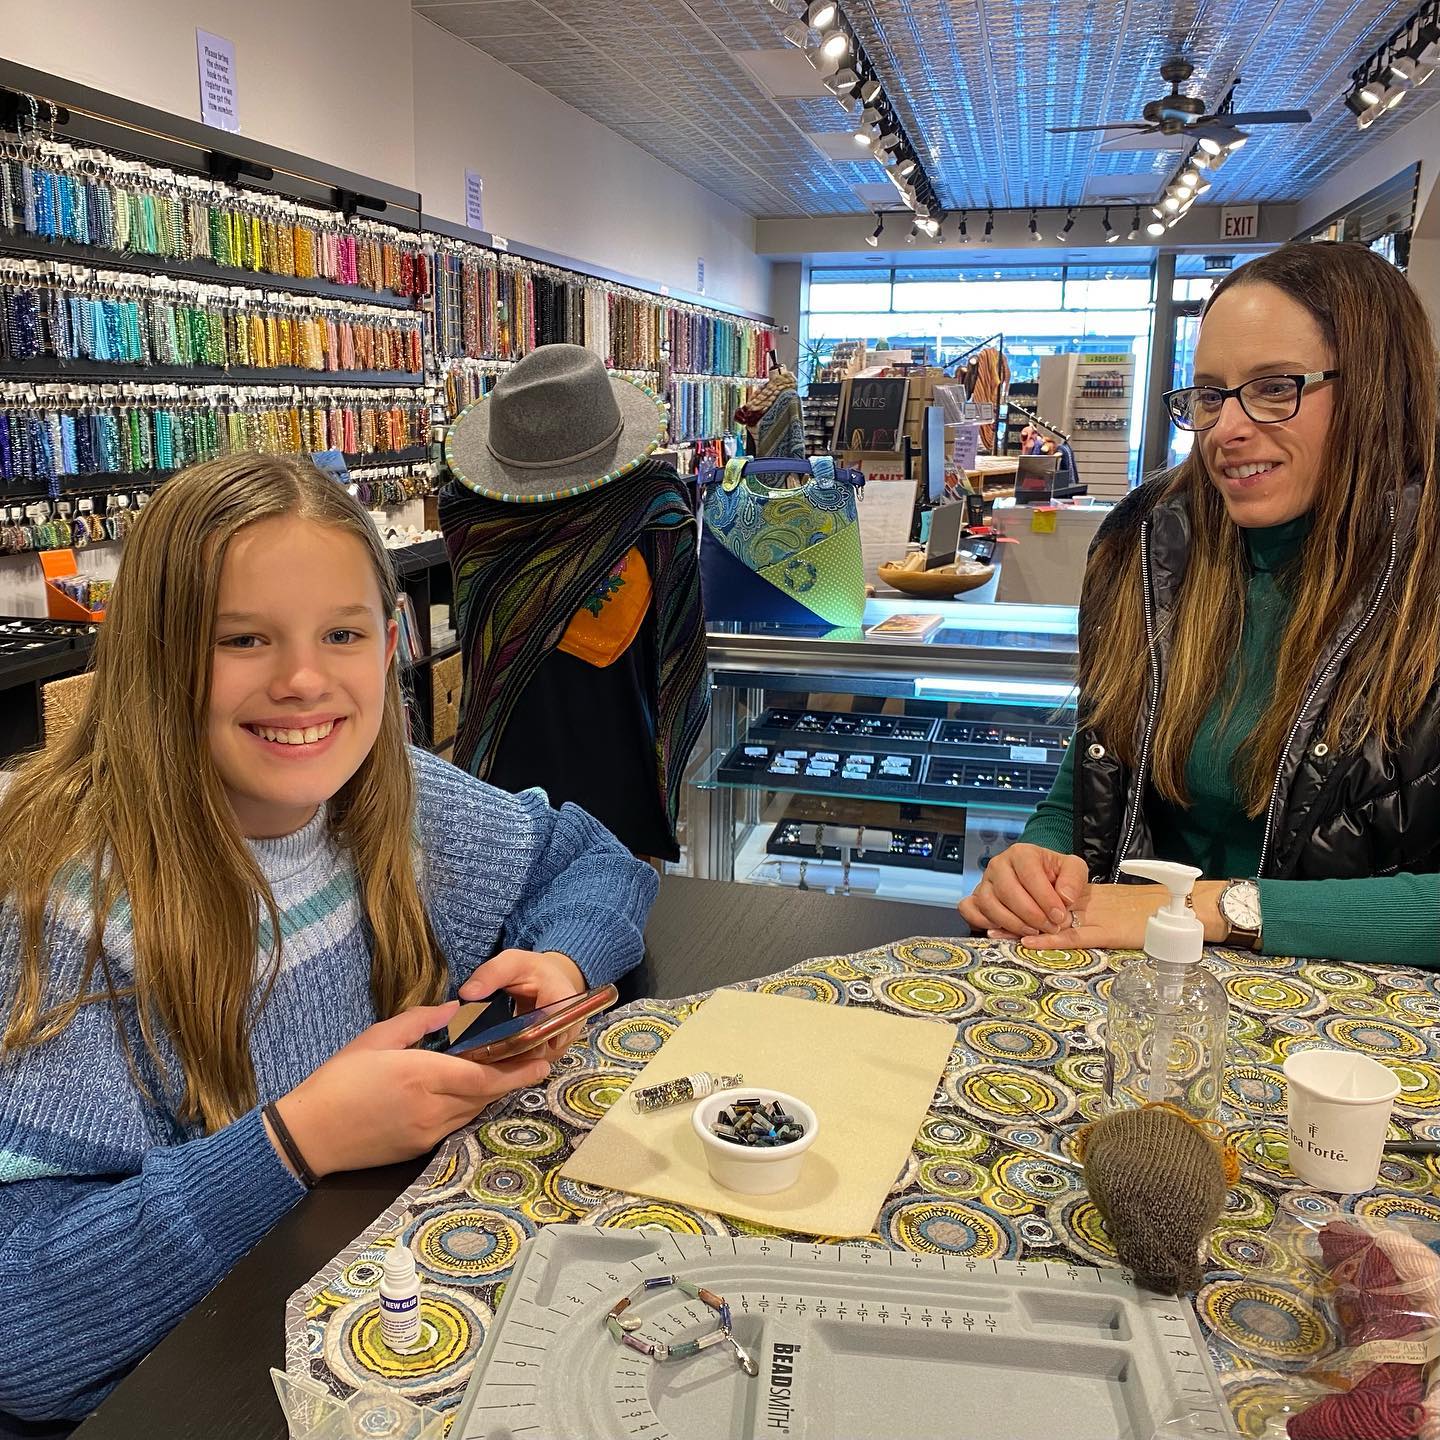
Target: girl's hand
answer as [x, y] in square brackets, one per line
[1025, 890]
[534, 978]
[377, 1101]
[1112, 917]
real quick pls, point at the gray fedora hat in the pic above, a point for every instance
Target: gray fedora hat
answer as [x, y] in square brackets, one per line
[557, 424]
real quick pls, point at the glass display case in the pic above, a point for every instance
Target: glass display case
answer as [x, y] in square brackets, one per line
[888, 765]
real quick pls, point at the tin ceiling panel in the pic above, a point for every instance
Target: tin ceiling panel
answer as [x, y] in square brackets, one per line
[976, 83]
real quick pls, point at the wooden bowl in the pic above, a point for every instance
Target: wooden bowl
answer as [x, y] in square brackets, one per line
[936, 584]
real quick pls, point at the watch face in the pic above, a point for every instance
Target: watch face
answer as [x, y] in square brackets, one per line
[1240, 904]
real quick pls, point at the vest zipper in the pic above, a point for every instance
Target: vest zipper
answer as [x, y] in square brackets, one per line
[1337, 659]
[1147, 603]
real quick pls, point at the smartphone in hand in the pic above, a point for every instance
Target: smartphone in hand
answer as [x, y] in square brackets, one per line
[498, 1032]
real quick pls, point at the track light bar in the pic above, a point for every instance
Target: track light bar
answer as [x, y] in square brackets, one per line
[1406, 60]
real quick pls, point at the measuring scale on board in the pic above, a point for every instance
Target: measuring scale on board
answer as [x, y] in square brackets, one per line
[854, 1342]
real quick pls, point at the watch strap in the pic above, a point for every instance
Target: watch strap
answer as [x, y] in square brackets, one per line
[1237, 937]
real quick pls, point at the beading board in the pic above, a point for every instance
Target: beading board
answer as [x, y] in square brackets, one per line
[854, 1342]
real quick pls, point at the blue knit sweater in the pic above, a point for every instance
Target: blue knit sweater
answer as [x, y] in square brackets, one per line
[115, 1218]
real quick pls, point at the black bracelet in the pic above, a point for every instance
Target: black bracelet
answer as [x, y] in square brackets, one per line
[288, 1145]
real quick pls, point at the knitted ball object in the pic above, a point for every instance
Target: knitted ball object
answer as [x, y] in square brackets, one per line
[1160, 1181]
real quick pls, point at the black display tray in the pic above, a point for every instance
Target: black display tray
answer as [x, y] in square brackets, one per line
[1002, 742]
[741, 769]
[984, 781]
[897, 734]
[946, 853]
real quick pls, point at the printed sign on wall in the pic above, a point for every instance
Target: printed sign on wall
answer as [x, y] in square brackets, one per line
[474, 200]
[219, 104]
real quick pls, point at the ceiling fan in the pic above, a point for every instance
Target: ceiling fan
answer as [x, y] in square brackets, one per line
[1177, 114]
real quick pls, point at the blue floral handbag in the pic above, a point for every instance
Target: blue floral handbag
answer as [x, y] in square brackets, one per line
[790, 556]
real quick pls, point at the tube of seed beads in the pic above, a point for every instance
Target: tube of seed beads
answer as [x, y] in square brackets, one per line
[686, 1088]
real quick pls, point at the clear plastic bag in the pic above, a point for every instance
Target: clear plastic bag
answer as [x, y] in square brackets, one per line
[1341, 1316]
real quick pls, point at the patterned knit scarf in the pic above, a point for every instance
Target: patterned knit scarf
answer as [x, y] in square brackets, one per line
[521, 572]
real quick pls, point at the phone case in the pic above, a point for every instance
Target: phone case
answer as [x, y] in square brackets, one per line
[592, 1002]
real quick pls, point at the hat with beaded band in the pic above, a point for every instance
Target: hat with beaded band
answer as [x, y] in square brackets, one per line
[556, 425]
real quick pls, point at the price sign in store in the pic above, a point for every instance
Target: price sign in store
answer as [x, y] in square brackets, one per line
[219, 104]
[1042, 522]
[474, 200]
[700, 276]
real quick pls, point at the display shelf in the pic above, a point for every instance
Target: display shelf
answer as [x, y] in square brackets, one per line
[715, 774]
[37, 247]
[991, 710]
[47, 370]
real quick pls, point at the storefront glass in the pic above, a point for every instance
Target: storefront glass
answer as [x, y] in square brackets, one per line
[944, 311]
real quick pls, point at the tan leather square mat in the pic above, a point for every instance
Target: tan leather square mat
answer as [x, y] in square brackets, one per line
[869, 1077]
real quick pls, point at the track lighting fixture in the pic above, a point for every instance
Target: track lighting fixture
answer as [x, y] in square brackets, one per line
[795, 34]
[989, 222]
[1111, 233]
[914, 231]
[1155, 227]
[873, 239]
[1190, 176]
[964, 229]
[1034, 225]
[849, 74]
[1064, 233]
[1134, 225]
[1209, 146]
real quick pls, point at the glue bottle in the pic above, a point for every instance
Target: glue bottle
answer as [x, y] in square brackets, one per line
[400, 1299]
[1165, 1031]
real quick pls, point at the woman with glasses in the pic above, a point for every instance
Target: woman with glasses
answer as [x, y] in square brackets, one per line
[1260, 644]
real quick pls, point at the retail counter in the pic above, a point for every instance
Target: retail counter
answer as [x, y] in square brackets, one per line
[841, 760]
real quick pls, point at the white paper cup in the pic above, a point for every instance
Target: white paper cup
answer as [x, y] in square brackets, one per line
[753, 1169]
[1339, 1111]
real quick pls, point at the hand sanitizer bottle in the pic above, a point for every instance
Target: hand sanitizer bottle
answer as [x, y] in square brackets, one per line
[1165, 1033]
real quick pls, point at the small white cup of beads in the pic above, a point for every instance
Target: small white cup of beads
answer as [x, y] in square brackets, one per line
[753, 1169]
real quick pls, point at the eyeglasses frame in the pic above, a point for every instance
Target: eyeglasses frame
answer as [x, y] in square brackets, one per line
[1302, 383]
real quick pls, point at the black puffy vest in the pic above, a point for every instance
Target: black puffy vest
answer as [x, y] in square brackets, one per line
[1363, 811]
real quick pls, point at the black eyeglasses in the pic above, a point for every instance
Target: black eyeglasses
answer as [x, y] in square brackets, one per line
[1267, 399]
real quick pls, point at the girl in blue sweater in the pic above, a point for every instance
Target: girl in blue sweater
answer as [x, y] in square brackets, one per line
[233, 885]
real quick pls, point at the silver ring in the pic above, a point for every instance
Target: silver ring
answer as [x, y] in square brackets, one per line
[1074, 918]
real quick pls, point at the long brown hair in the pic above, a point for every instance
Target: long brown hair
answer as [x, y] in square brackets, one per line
[129, 805]
[1382, 437]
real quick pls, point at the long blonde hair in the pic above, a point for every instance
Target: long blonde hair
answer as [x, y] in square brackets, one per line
[1382, 436]
[129, 802]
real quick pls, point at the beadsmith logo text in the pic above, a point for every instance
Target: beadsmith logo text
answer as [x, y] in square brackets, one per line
[779, 1405]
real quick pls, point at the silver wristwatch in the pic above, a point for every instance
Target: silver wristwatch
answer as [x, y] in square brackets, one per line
[1239, 906]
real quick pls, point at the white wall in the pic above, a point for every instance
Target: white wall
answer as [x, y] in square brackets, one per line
[558, 180]
[326, 78]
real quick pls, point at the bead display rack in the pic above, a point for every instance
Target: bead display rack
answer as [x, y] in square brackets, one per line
[841, 1334]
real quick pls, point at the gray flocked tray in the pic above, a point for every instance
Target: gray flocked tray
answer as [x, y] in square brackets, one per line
[853, 1341]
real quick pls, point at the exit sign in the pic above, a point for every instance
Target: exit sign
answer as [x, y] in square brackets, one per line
[1240, 222]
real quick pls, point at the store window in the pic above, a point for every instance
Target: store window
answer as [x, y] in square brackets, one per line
[941, 312]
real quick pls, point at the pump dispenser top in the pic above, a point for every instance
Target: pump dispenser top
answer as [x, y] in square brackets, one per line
[1175, 934]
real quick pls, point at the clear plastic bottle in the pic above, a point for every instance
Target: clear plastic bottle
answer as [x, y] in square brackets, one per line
[1165, 1033]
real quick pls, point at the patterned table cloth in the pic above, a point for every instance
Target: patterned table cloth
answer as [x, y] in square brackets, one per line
[1028, 1025]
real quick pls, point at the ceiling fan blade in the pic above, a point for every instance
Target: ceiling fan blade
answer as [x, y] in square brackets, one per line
[1259, 117]
[1079, 129]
